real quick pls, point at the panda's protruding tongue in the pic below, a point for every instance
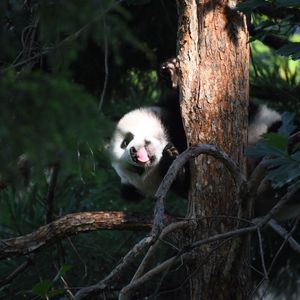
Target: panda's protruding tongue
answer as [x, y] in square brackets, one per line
[142, 155]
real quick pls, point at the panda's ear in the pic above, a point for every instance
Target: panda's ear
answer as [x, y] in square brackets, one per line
[130, 193]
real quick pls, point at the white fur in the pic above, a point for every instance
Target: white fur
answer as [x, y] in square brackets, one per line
[146, 126]
[261, 122]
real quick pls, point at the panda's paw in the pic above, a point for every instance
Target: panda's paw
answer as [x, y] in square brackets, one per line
[168, 73]
[170, 151]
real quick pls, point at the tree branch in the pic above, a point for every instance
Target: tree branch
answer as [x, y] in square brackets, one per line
[284, 234]
[117, 272]
[166, 231]
[17, 271]
[178, 163]
[73, 224]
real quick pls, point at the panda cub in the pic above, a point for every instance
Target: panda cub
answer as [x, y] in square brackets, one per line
[147, 140]
[142, 149]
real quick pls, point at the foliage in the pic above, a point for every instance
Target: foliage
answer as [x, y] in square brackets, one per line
[54, 61]
[281, 20]
[283, 166]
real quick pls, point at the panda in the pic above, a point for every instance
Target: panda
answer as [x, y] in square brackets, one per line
[147, 140]
[144, 144]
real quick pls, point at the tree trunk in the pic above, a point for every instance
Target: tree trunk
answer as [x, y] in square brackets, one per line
[213, 57]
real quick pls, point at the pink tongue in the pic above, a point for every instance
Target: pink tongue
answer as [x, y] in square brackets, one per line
[142, 155]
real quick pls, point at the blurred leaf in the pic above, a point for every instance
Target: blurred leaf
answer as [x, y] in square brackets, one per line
[291, 49]
[282, 171]
[262, 148]
[295, 3]
[43, 116]
[62, 271]
[288, 125]
[41, 289]
[294, 187]
[277, 140]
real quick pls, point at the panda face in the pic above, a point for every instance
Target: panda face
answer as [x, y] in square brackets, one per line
[140, 150]
[138, 142]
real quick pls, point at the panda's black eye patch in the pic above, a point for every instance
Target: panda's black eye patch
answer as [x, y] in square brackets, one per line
[128, 138]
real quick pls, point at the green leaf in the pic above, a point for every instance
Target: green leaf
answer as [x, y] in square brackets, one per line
[64, 269]
[296, 147]
[42, 288]
[277, 140]
[275, 162]
[283, 171]
[262, 149]
[295, 186]
[287, 126]
[296, 156]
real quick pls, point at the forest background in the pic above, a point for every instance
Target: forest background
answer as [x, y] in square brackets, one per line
[68, 72]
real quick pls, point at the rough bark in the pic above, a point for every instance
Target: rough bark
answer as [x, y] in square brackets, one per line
[73, 224]
[213, 63]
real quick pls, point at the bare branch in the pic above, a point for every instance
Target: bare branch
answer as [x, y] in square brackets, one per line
[178, 163]
[122, 268]
[277, 207]
[167, 230]
[125, 292]
[287, 236]
[262, 254]
[17, 271]
[284, 234]
[193, 152]
[73, 224]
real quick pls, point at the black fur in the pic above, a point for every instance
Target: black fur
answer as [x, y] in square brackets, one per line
[181, 184]
[130, 193]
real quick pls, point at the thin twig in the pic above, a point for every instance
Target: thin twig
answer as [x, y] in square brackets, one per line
[17, 271]
[166, 231]
[277, 207]
[79, 256]
[71, 37]
[50, 194]
[261, 251]
[283, 233]
[287, 237]
[105, 66]
[67, 288]
[121, 268]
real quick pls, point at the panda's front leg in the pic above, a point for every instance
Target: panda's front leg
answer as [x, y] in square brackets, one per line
[181, 183]
[170, 153]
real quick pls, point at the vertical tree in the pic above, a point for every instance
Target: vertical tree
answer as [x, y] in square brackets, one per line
[213, 59]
